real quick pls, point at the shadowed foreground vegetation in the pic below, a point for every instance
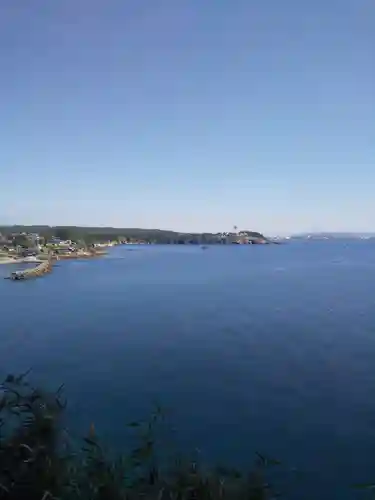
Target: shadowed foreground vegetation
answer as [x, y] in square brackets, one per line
[39, 460]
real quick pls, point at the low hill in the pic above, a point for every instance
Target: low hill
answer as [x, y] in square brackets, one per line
[108, 233]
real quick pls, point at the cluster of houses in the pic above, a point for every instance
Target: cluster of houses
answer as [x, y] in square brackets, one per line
[25, 244]
[32, 244]
[241, 238]
[28, 244]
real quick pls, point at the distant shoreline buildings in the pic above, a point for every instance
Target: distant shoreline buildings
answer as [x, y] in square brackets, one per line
[30, 237]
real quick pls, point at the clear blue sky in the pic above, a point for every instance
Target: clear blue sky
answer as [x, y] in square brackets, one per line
[188, 114]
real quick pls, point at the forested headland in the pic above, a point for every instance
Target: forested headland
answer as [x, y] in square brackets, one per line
[98, 234]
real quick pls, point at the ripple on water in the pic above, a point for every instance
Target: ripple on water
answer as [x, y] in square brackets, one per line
[266, 349]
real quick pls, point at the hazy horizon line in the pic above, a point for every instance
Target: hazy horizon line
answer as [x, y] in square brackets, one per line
[280, 233]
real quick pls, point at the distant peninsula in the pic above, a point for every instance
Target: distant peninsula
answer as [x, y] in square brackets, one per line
[92, 235]
[333, 235]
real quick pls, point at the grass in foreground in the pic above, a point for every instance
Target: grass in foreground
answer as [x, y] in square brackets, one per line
[39, 461]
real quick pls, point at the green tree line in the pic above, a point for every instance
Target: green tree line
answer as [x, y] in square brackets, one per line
[100, 234]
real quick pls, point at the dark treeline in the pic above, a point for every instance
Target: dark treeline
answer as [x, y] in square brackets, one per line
[97, 234]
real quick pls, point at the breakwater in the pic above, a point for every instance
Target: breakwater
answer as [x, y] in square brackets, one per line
[40, 270]
[47, 265]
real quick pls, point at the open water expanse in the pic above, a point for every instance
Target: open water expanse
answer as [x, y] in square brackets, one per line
[248, 348]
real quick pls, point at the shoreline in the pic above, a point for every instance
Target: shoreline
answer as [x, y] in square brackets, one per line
[44, 266]
[11, 261]
[83, 255]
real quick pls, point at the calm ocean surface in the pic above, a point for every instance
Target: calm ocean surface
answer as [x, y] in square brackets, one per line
[258, 348]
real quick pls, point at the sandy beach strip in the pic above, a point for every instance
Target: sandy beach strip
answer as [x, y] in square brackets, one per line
[8, 260]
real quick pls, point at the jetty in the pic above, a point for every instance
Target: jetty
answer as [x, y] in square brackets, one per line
[43, 268]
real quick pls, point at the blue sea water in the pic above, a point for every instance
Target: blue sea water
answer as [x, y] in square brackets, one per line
[248, 348]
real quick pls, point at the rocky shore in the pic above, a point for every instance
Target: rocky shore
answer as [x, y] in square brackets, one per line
[45, 262]
[81, 255]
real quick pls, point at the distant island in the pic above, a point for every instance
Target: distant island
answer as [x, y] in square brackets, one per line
[94, 235]
[333, 235]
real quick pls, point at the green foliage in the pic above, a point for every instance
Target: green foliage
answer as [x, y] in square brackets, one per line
[23, 241]
[64, 233]
[39, 461]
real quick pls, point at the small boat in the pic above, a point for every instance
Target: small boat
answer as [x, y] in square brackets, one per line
[17, 275]
[204, 247]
